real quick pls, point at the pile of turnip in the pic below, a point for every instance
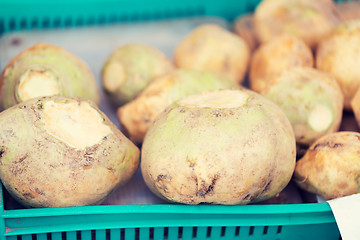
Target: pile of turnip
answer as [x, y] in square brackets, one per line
[233, 118]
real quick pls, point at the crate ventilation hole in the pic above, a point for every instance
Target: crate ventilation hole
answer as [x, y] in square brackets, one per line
[51, 22]
[121, 234]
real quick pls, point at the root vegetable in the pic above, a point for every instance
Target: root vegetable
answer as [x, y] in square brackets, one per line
[348, 11]
[57, 152]
[137, 116]
[130, 68]
[307, 19]
[331, 166]
[311, 99]
[337, 54]
[355, 106]
[219, 147]
[281, 53]
[46, 70]
[244, 27]
[214, 49]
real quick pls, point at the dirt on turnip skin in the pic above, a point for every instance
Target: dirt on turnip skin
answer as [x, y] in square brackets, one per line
[331, 166]
[220, 147]
[57, 151]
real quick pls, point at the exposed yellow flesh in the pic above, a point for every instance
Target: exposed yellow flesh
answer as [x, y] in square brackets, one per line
[320, 118]
[216, 99]
[35, 83]
[114, 76]
[78, 125]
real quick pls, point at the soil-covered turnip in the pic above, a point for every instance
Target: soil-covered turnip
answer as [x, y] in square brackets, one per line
[311, 99]
[129, 69]
[214, 49]
[338, 55]
[355, 106]
[244, 27]
[137, 116]
[58, 151]
[219, 147]
[271, 58]
[307, 19]
[46, 70]
[331, 166]
[348, 10]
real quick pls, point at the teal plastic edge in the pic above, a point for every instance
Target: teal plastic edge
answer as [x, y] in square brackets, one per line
[41, 14]
[30, 221]
[172, 209]
[2, 220]
[49, 220]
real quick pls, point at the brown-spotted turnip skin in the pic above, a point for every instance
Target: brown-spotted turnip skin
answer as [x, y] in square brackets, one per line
[331, 166]
[58, 152]
[220, 147]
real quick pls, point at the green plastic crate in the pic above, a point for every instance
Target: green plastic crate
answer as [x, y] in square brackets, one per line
[165, 221]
